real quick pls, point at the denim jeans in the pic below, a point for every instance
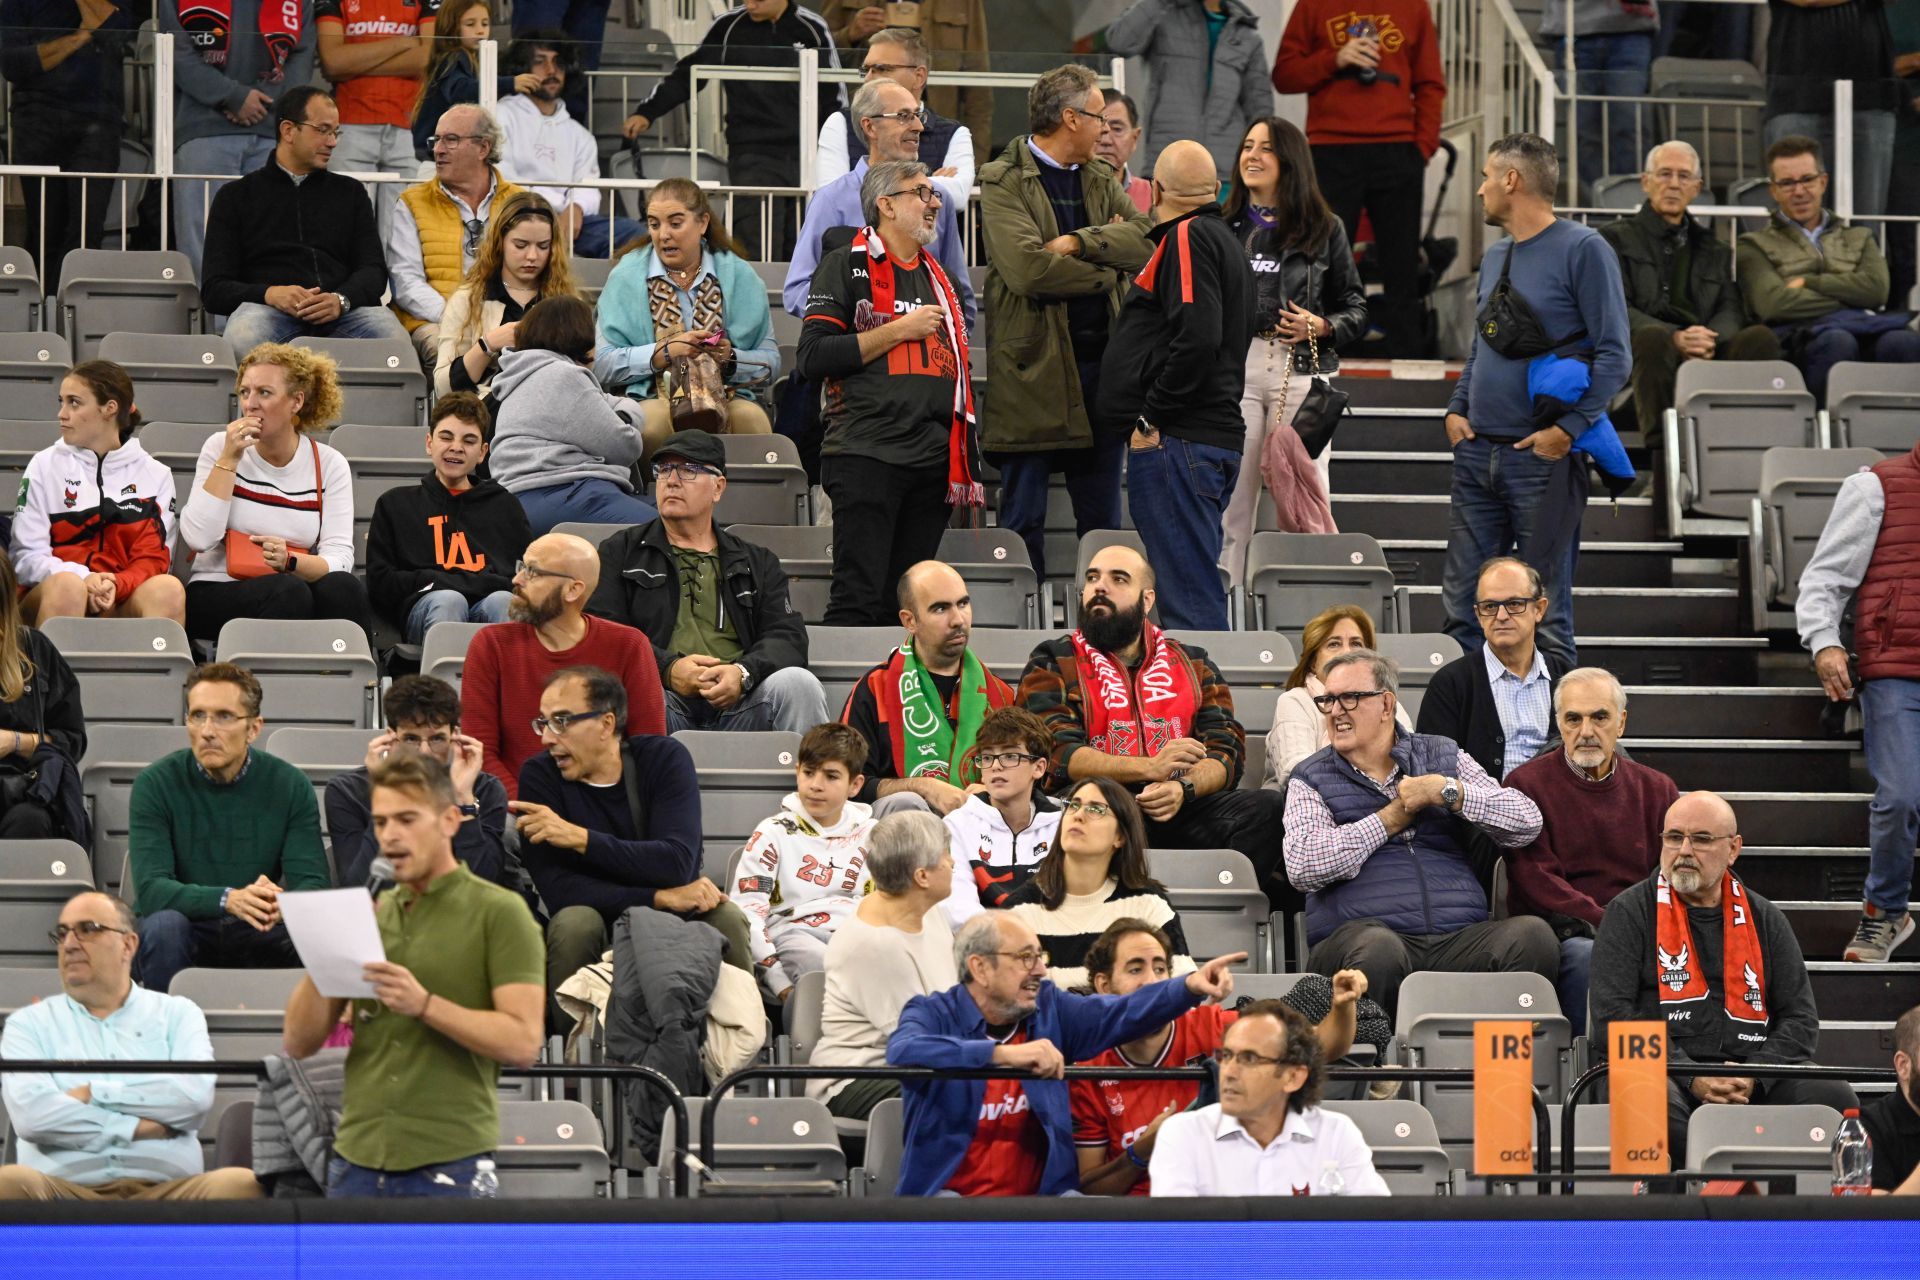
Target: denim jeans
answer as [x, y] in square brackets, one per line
[1576, 966]
[1508, 501]
[230, 154]
[253, 323]
[1179, 491]
[1093, 484]
[600, 235]
[1872, 154]
[1610, 66]
[377, 148]
[583, 502]
[450, 1181]
[1891, 709]
[450, 606]
[790, 700]
[169, 942]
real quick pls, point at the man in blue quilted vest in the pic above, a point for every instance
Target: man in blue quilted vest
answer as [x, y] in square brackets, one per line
[1376, 835]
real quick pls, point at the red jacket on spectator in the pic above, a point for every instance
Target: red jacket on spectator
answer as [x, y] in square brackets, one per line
[1342, 109]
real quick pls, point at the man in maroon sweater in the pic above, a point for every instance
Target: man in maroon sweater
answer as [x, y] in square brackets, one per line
[1374, 91]
[1602, 815]
[508, 664]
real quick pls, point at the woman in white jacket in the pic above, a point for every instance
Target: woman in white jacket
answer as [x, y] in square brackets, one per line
[1299, 729]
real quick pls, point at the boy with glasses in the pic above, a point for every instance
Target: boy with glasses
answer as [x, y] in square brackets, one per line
[1006, 829]
[1497, 704]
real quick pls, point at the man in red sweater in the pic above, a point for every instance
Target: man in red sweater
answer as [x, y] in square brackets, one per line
[1374, 91]
[1602, 816]
[509, 663]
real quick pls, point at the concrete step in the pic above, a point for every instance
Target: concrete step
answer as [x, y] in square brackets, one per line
[1646, 565]
[1406, 394]
[1864, 992]
[1425, 516]
[1825, 928]
[1717, 764]
[1675, 660]
[1802, 819]
[1622, 611]
[1804, 873]
[1724, 712]
[1856, 1044]
[1372, 469]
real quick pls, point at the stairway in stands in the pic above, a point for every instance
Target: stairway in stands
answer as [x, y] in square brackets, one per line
[1709, 702]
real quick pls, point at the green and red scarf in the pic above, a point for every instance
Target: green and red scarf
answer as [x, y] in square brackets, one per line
[926, 744]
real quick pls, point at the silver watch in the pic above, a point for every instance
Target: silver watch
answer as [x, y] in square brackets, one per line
[746, 676]
[1451, 795]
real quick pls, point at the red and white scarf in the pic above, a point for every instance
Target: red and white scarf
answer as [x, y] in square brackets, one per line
[1677, 973]
[209, 27]
[964, 488]
[1169, 695]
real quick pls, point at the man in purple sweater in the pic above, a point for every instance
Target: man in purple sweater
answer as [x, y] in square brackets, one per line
[1602, 815]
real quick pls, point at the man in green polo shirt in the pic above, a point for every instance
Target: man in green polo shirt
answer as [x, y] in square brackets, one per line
[459, 993]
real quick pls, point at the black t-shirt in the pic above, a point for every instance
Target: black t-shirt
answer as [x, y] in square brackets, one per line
[863, 715]
[1894, 1126]
[898, 409]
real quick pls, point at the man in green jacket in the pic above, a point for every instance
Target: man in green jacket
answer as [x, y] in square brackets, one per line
[1812, 276]
[1063, 240]
[216, 834]
[1682, 303]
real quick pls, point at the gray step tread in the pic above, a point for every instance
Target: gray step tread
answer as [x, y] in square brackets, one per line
[1586, 545]
[1741, 744]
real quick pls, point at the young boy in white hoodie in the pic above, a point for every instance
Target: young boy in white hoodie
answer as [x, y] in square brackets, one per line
[805, 868]
[1005, 832]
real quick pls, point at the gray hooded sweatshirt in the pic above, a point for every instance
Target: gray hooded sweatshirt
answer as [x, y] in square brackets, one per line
[555, 425]
[203, 92]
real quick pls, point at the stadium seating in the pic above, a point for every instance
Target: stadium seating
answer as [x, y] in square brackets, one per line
[1221, 906]
[1796, 492]
[551, 1150]
[132, 669]
[1420, 658]
[179, 377]
[1725, 415]
[1873, 406]
[839, 656]
[36, 879]
[743, 778]
[323, 754]
[1405, 1143]
[879, 1173]
[380, 378]
[1434, 1028]
[444, 653]
[31, 367]
[1000, 578]
[21, 300]
[1291, 577]
[771, 1146]
[765, 482]
[104, 290]
[116, 755]
[1727, 1141]
[317, 671]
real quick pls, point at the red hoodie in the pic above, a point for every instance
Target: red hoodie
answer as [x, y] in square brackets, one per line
[1340, 109]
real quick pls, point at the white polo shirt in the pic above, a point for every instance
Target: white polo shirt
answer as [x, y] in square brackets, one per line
[1205, 1153]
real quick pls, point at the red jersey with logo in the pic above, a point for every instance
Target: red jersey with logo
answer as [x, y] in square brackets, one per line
[1009, 1151]
[1109, 1114]
[377, 99]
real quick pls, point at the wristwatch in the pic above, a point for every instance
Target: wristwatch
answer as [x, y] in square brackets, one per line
[1451, 795]
[746, 676]
[345, 306]
[1144, 427]
[292, 560]
[224, 895]
[469, 811]
[1186, 790]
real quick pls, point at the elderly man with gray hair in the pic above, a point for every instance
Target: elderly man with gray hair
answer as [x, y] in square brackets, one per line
[1601, 817]
[1377, 833]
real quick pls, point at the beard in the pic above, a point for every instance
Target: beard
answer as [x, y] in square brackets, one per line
[1687, 880]
[536, 613]
[1114, 631]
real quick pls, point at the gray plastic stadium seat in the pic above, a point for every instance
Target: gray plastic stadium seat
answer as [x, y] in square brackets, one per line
[317, 671]
[36, 879]
[1594, 1150]
[1434, 1026]
[590, 275]
[1726, 414]
[839, 656]
[1727, 1140]
[551, 1151]
[1726, 135]
[444, 653]
[31, 367]
[1254, 708]
[380, 379]
[1420, 655]
[20, 294]
[1874, 406]
[774, 1146]
[131, 668]
[886, 1147]
[22, 987]
[386, 447]
[999, 576]
[806, 553]
[743, 777]
[146, 291]
[1405, 1144]
[1221, 906]
[183, 377]
[233, 1140]
[1003, 650]
[321, 754]
[1291, 577]
[806, 1007]
[116, 755]
[1618, 191]
[1245, 658]
[21, 438]
[765, 482]
[1797, 489]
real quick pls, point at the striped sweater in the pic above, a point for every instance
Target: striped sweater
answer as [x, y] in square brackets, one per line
[1069, 932]
[279, 502]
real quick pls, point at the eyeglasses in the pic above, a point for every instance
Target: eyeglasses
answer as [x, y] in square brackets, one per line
[1346, 701]
[1246, 1058]
[527, 569]
[1004, 760]
[561, 721]
[432, 742]
[475, 229]
[1680, 177]
[1028, 959]
[682, 470]
[1091, 115]
[324, 130]
[1697, 839]
[1512, 608]
[1794, 184]
[87, 929]
[1093, 808]
[923, 193]
[902, 116]
[218, 719]
[872, 69]
[453, 139]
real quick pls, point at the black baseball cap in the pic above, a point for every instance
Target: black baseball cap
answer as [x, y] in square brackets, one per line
[695, 446]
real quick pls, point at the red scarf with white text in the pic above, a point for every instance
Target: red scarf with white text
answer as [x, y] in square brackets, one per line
[1677, 975]
[209, 27]
[1169, 695]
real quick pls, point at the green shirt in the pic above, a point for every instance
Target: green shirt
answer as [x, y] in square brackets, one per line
[415, 1097]
[189, 837]
[703, 625]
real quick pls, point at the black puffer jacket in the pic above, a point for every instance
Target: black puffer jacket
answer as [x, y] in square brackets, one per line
[1326, 283]
[664, 971]
[1647, 245]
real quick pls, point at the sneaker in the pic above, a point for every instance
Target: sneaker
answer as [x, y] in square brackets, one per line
[1877, 935]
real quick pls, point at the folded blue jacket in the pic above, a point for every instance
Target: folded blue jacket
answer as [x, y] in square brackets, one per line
[1556, 383]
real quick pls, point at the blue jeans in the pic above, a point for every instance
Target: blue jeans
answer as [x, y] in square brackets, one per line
[450, 606]
[1093, 483]
[450, 1181]
[253, 323]
[1179, 492]
[1892, 712]
[1508, 501]
[169, 942]
[1872, 154]
[790, 700]
[235, 154]
[1610, 66]
[1576, 964]
[600, 235]
[1827, 349]
[584, 502]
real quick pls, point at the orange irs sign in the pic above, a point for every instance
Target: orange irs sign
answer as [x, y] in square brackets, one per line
[1503, 1129]
[1637, 1087]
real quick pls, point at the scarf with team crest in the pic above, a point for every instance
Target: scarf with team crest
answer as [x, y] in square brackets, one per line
[1677, 972]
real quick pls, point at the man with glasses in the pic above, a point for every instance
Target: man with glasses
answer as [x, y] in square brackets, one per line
[1820, 282]
[1014, 1137]
[548, 630]
[609, 822]
[1692, 946]
[899, 54]
[731, 647]
[1207, 65]
[109, 1137]
[438, 225]
[1063, 240]
[1379, 824]
[1682, 302]
[216, 833]
[1268, 1134]
[954, 32]
[292, 249]
[1006, 827]
[1497, 704]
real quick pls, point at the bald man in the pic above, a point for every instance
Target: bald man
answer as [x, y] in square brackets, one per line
[1173, 372]
[509, 663]
[920, 709]
[1693, 946]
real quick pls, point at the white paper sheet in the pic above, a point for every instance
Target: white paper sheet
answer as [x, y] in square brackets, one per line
[335, 933]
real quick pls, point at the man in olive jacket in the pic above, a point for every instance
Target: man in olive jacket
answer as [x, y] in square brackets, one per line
[1063, 239]
[1682, 303]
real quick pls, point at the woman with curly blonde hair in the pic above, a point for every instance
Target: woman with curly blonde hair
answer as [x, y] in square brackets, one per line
[522, 260]
[270, 518]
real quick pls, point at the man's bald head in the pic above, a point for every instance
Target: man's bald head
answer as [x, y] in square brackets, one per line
[1702, 811]
[937, 613]
[1122, 557]
[1698, 842]
[1185, 174]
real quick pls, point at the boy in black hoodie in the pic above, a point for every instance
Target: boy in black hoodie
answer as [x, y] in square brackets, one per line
[445, 551]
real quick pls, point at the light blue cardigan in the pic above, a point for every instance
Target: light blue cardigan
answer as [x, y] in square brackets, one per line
[624, 361]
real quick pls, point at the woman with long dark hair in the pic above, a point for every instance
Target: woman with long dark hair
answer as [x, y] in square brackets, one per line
[1308, 298]
[43, 731]
[1095, 874]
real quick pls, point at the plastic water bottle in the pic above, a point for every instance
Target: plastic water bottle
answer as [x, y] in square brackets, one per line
[1852, 1157]
[1332, 1181]
[486, 1183]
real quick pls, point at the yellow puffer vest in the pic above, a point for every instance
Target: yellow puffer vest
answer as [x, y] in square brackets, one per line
[442, 231]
